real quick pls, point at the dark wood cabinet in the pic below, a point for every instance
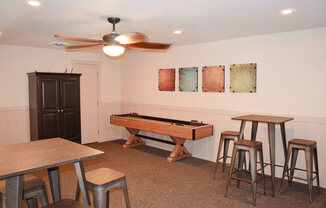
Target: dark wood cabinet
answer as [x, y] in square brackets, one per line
[54, 104]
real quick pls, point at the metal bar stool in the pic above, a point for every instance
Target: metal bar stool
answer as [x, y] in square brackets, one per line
[225, 138]
[310, 148]
[33, 189]
[100, 181]
[253, 147]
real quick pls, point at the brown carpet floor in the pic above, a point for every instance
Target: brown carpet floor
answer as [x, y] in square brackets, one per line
[154, 183]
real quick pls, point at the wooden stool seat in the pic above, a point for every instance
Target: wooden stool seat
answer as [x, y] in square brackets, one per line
[103, 176]
[248, 143]
[67, 203]
[100, 181]
[310, 149]
[33, 188]
[253, 147]
[31, 181]
[303, 142]
[231, 133]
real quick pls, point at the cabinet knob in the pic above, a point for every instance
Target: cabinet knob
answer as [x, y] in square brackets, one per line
[61, 110]
[58, 110]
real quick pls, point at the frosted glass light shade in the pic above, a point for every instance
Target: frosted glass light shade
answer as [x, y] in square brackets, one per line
[113, 50]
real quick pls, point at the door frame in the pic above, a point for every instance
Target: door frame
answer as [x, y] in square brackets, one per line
[74, 62]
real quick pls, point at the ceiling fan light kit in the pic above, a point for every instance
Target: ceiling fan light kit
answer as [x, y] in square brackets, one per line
[114, 44]
[113, 50]
[33, 3]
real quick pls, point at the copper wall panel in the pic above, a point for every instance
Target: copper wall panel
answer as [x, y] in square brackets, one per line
[188, 79]
[243, 77]
[166, 79]
[213, 78]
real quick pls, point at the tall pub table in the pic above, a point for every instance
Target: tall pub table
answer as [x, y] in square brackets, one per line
[18, 159]
[271, 121]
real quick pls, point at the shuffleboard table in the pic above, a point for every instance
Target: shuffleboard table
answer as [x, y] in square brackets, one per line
[178, 130]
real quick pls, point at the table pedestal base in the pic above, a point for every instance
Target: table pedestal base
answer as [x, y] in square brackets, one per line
[133, 140]
[179, 152]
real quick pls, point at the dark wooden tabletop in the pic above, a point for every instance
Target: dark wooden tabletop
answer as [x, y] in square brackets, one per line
[18, 159]
[263, 118]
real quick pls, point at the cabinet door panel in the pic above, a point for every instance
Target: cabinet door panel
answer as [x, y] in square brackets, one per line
[70, 94]
[70, 109]
[49, 125]
[49, 94]
[49, 107]
[70, 125]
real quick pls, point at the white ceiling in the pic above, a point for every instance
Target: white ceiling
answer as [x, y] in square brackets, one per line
[200, 20]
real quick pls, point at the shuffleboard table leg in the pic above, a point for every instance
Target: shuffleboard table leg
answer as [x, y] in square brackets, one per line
[180, 151]
[133, 140]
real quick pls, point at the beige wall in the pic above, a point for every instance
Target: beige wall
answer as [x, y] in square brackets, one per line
[290, 74]
[16, 61]
[290, 82]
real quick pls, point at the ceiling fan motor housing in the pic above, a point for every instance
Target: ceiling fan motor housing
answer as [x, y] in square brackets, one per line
[109, 38]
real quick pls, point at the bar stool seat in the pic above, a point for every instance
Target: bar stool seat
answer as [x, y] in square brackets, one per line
[225, 138]
[310, 149]
[252, 147]
[33, 188]
[100, 181]
[67, 203]
[231, 133]
[303, 142]
[249, 143]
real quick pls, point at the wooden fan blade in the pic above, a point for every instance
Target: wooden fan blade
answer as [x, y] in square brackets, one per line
[77, 39]
[82, 46]
[149, 45]
[129, 38]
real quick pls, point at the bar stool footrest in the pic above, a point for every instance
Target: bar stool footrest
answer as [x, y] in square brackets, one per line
[223, 157]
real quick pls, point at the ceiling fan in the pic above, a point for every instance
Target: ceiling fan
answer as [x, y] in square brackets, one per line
[114, 44]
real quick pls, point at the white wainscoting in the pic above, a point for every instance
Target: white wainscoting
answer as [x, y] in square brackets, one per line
[301, 127]
[109, 132]
[14, 125]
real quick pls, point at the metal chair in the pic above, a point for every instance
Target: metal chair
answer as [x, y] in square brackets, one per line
[100, 181]
[253, 147]
[33, 189]
[310, 148]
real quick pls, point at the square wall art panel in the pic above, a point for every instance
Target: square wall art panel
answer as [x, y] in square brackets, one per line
[213, 78]
[188, 79]
[166, 79]
[243, 77]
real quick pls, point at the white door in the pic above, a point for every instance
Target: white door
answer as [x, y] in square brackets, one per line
[88, 100]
